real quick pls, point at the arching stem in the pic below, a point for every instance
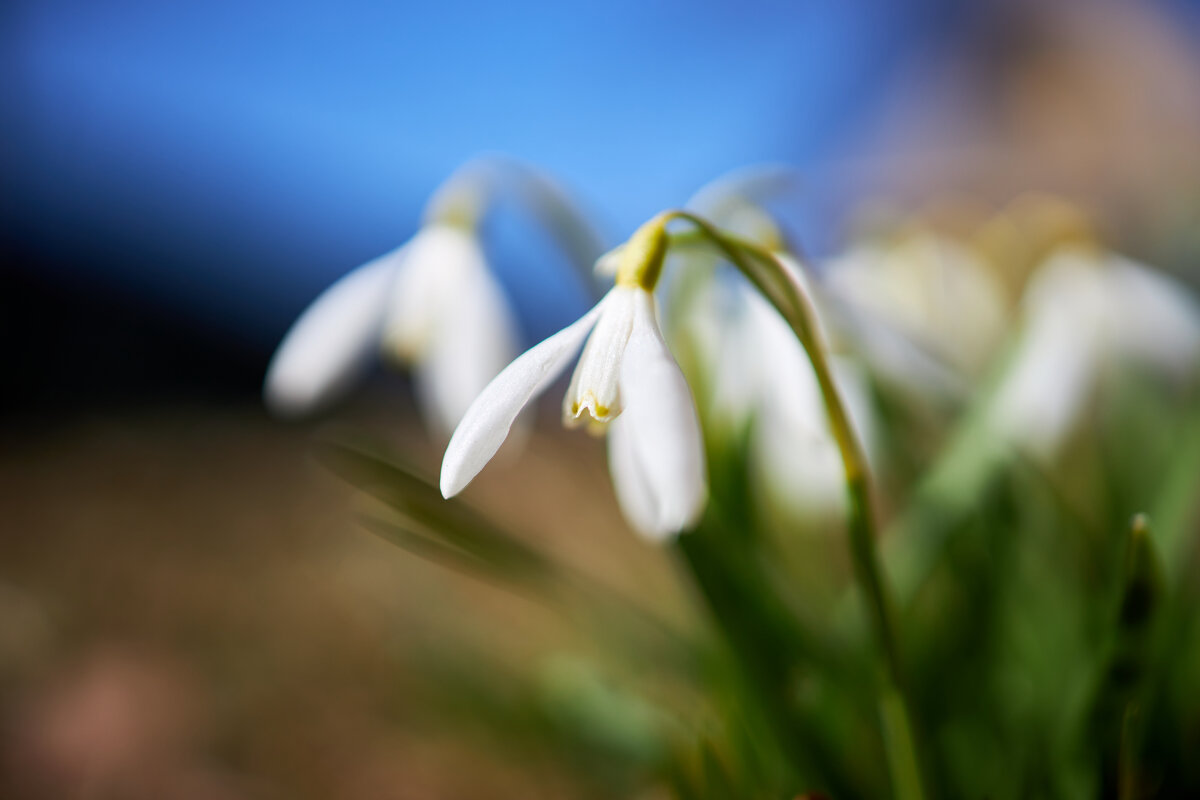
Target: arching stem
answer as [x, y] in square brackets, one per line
[784, 292]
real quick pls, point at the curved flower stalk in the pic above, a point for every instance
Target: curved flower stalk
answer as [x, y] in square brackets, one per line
[790, 298]
[757, 370]
[927, 311]
[432, 305]
[1084, 311]
[800, 465]
[626, 382]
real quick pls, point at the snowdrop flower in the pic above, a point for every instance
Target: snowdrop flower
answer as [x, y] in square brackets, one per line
[626, 381]
[1083, 310]
[753, 368]
[759, 371]
[801, 466]
[928, 312]
[432, 305]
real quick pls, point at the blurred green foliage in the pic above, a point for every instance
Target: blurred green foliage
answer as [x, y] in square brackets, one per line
[1027, 629]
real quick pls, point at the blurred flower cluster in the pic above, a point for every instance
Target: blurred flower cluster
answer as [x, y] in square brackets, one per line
[934, 494]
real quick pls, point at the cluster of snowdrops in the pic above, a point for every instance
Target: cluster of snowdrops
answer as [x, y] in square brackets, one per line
[903, 388]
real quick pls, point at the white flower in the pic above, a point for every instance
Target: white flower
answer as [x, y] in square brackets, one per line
[431, 304]
[928, 313]
[798, 457]
[626, 380]
[1084, 310]
[759, 370]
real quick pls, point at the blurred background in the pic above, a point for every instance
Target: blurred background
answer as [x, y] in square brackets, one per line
[186, 606]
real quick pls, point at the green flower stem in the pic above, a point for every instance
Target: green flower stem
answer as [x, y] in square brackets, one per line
[774, 281]
[763, 639]
[1114, 722]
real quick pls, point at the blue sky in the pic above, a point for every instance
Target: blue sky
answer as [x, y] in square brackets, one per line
[228, 159]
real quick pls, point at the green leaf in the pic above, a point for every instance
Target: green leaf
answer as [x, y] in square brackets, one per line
[449, 523]
[1176, 509]
[1110, 723]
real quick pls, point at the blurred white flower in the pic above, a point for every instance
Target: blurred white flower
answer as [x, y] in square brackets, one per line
[627, 381]
[927, 312]
[432, 305]
[1084, 310]
[801, 465]
[759, 371]
[448, 319]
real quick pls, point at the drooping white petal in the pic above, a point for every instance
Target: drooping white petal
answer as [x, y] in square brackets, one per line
[1152, 317]
[595, 386]
[799, 473]
[1054, 368]
[333, 342]
[902, 363]
[1082, 310]
[439, 261]
[629, 480]
[660, 420]
[1045, 385]
[802, 468]
[794, 447]
[935, 295]
[787, 383]
[473, 341]
[730, 336]
[486, 423]
[796, 456]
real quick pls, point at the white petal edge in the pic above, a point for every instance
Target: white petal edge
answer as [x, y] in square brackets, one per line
[439, 261]
[662, 426]
[333, 341]
[1046, 385]
[1153, 317]
[476, 339]
[629, 481]
[487, 422]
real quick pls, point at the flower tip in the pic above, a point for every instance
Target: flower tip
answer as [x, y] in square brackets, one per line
[451, 480]
[293, 393]
[667, 528]
[659, 534]
[686, 519]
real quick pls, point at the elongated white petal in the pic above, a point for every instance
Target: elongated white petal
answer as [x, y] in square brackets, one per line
[595, 386]
[333, 341]
[801, 474]
[439, 261]
[1055, 366]
[474, 341]
[1084, 309]
[661, 423]
[1152, 317]
[629, 480]
[1049, 378]
[935, 293]
[802, 468]
[488, 420]
[737, 374]
[1046, 384]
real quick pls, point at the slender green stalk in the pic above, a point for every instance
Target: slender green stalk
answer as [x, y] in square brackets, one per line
[777, 284]
[1114, 724]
